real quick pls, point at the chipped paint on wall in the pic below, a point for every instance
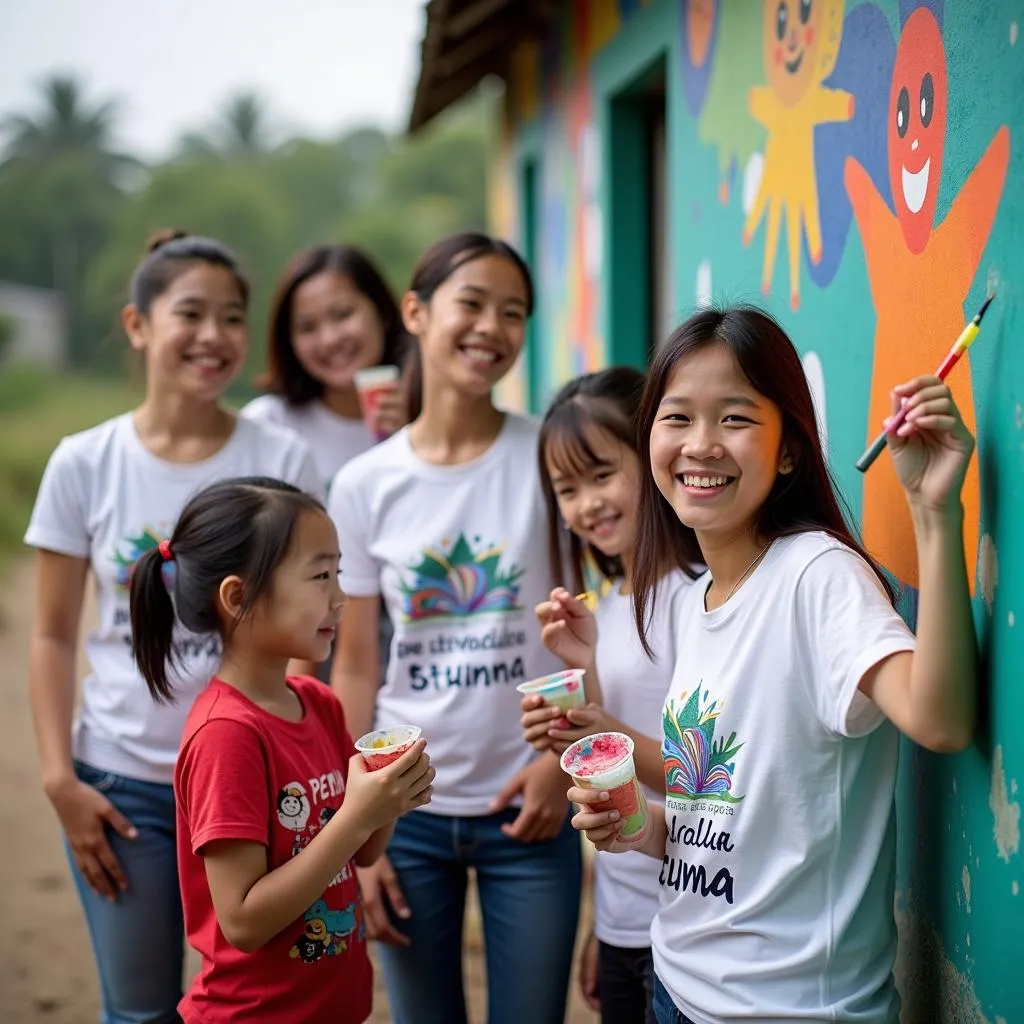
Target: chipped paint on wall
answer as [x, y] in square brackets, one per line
[1005, 811]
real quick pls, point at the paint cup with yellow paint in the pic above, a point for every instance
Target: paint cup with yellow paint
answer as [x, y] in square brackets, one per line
[382, 747]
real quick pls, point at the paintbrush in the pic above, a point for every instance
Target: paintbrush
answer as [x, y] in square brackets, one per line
[960, 346]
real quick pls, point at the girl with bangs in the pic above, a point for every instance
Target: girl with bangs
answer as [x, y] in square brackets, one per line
[590, 469]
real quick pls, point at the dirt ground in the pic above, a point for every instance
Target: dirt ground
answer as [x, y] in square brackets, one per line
[46, 971]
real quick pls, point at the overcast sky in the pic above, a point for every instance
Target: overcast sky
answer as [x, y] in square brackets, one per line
[321, 65]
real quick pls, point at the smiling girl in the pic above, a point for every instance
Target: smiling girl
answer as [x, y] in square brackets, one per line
[781, 731]
[444, 519]
[332, 316]
[591, 472]
[108, 495]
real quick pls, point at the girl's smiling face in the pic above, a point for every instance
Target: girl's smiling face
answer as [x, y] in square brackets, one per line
[596, 490]
[716, 445]
[336, 329]
[472, 329]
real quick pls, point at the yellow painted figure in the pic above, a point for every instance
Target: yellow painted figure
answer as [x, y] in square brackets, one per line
[801, 44]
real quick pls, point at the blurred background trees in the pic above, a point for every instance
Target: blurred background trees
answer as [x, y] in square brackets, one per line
[77, 212]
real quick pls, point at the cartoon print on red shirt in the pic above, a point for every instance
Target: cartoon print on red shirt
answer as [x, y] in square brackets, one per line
[325, 931]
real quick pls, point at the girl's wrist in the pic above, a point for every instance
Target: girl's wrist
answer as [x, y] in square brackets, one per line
[930, 520]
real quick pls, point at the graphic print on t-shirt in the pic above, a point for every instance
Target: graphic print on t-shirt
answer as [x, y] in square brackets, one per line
[136, 547]
[325, 931]
[453, 582]
[696, 764]
[699, 777]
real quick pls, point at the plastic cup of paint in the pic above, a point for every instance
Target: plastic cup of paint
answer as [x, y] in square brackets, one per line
[605, 761]
[562, 690]
[382, 747]
[372, 384]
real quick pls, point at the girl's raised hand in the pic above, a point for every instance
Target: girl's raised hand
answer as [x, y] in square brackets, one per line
[537, 719]
[568, 628]
[378, 798]
[601, 827]
[932, 447]
[392, 413]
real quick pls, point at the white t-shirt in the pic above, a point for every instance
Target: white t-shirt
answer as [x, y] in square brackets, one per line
[333, 438]
[106, 498]
[777, 881]
[634, 689]
[460, 555]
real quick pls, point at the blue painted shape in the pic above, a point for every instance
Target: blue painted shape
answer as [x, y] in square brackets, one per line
[864, 68]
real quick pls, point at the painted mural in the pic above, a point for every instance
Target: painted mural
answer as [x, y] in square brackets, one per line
[857, 166]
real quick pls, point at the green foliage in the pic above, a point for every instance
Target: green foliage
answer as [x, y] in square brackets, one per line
[7, 328]
[77, 214]
[37, 409]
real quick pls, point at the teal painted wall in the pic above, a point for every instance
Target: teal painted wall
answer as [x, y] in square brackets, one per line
[891, 255]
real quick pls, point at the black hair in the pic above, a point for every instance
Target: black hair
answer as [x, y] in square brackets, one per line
[607, 400]
[443, 258]
[168, 255]
[242, 527]
[803, 500]
[286, 376]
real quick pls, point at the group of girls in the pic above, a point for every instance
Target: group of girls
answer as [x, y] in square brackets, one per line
[743, 639]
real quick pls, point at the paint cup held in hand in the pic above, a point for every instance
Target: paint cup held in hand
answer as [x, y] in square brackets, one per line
[382, 747]
[371, 385]
[605, 761]
[560, 690]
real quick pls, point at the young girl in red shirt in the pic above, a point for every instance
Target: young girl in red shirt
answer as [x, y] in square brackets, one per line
[274, 806]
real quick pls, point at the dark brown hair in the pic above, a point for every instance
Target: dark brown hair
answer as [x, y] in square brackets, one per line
[242, 527]
[806, 499]
[168, 255]
[285, 375]
[607, 400]
[443, 258]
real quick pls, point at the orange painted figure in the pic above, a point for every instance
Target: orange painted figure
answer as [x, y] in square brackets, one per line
[920, 275]
[801, 45]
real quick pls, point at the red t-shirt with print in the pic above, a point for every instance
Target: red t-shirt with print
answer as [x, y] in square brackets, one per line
[243, 773]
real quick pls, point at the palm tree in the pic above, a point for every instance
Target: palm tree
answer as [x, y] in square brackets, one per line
[66, 126]
[240, 133]
[62, 161]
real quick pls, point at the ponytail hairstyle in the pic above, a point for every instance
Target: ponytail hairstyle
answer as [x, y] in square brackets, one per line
[168, 255]
[806, 499]
[608, 401]
[242, 527]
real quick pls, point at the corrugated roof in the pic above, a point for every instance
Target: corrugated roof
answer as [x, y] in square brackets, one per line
[466, 40]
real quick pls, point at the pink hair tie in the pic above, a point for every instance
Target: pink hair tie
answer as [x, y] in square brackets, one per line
[164, 547]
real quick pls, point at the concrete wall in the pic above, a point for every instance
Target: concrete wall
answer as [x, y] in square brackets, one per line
[872, 226]
[40, 331]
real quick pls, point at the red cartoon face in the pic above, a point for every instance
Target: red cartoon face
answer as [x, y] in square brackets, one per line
[700, 19]
[792, 34]
[917, 126]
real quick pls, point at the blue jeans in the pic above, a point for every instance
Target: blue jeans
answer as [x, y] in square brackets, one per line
[138, 940]
[666, 1011]
[529, 900]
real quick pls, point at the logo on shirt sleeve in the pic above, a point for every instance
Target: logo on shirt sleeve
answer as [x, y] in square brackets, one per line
[453, 582]
[697, 765]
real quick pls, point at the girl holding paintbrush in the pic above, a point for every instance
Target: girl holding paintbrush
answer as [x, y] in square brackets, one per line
[781, 730]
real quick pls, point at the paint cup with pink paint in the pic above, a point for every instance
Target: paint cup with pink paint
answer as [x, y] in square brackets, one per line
[562, 690]
[382, 747]
[604, 761]
[372, 384]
